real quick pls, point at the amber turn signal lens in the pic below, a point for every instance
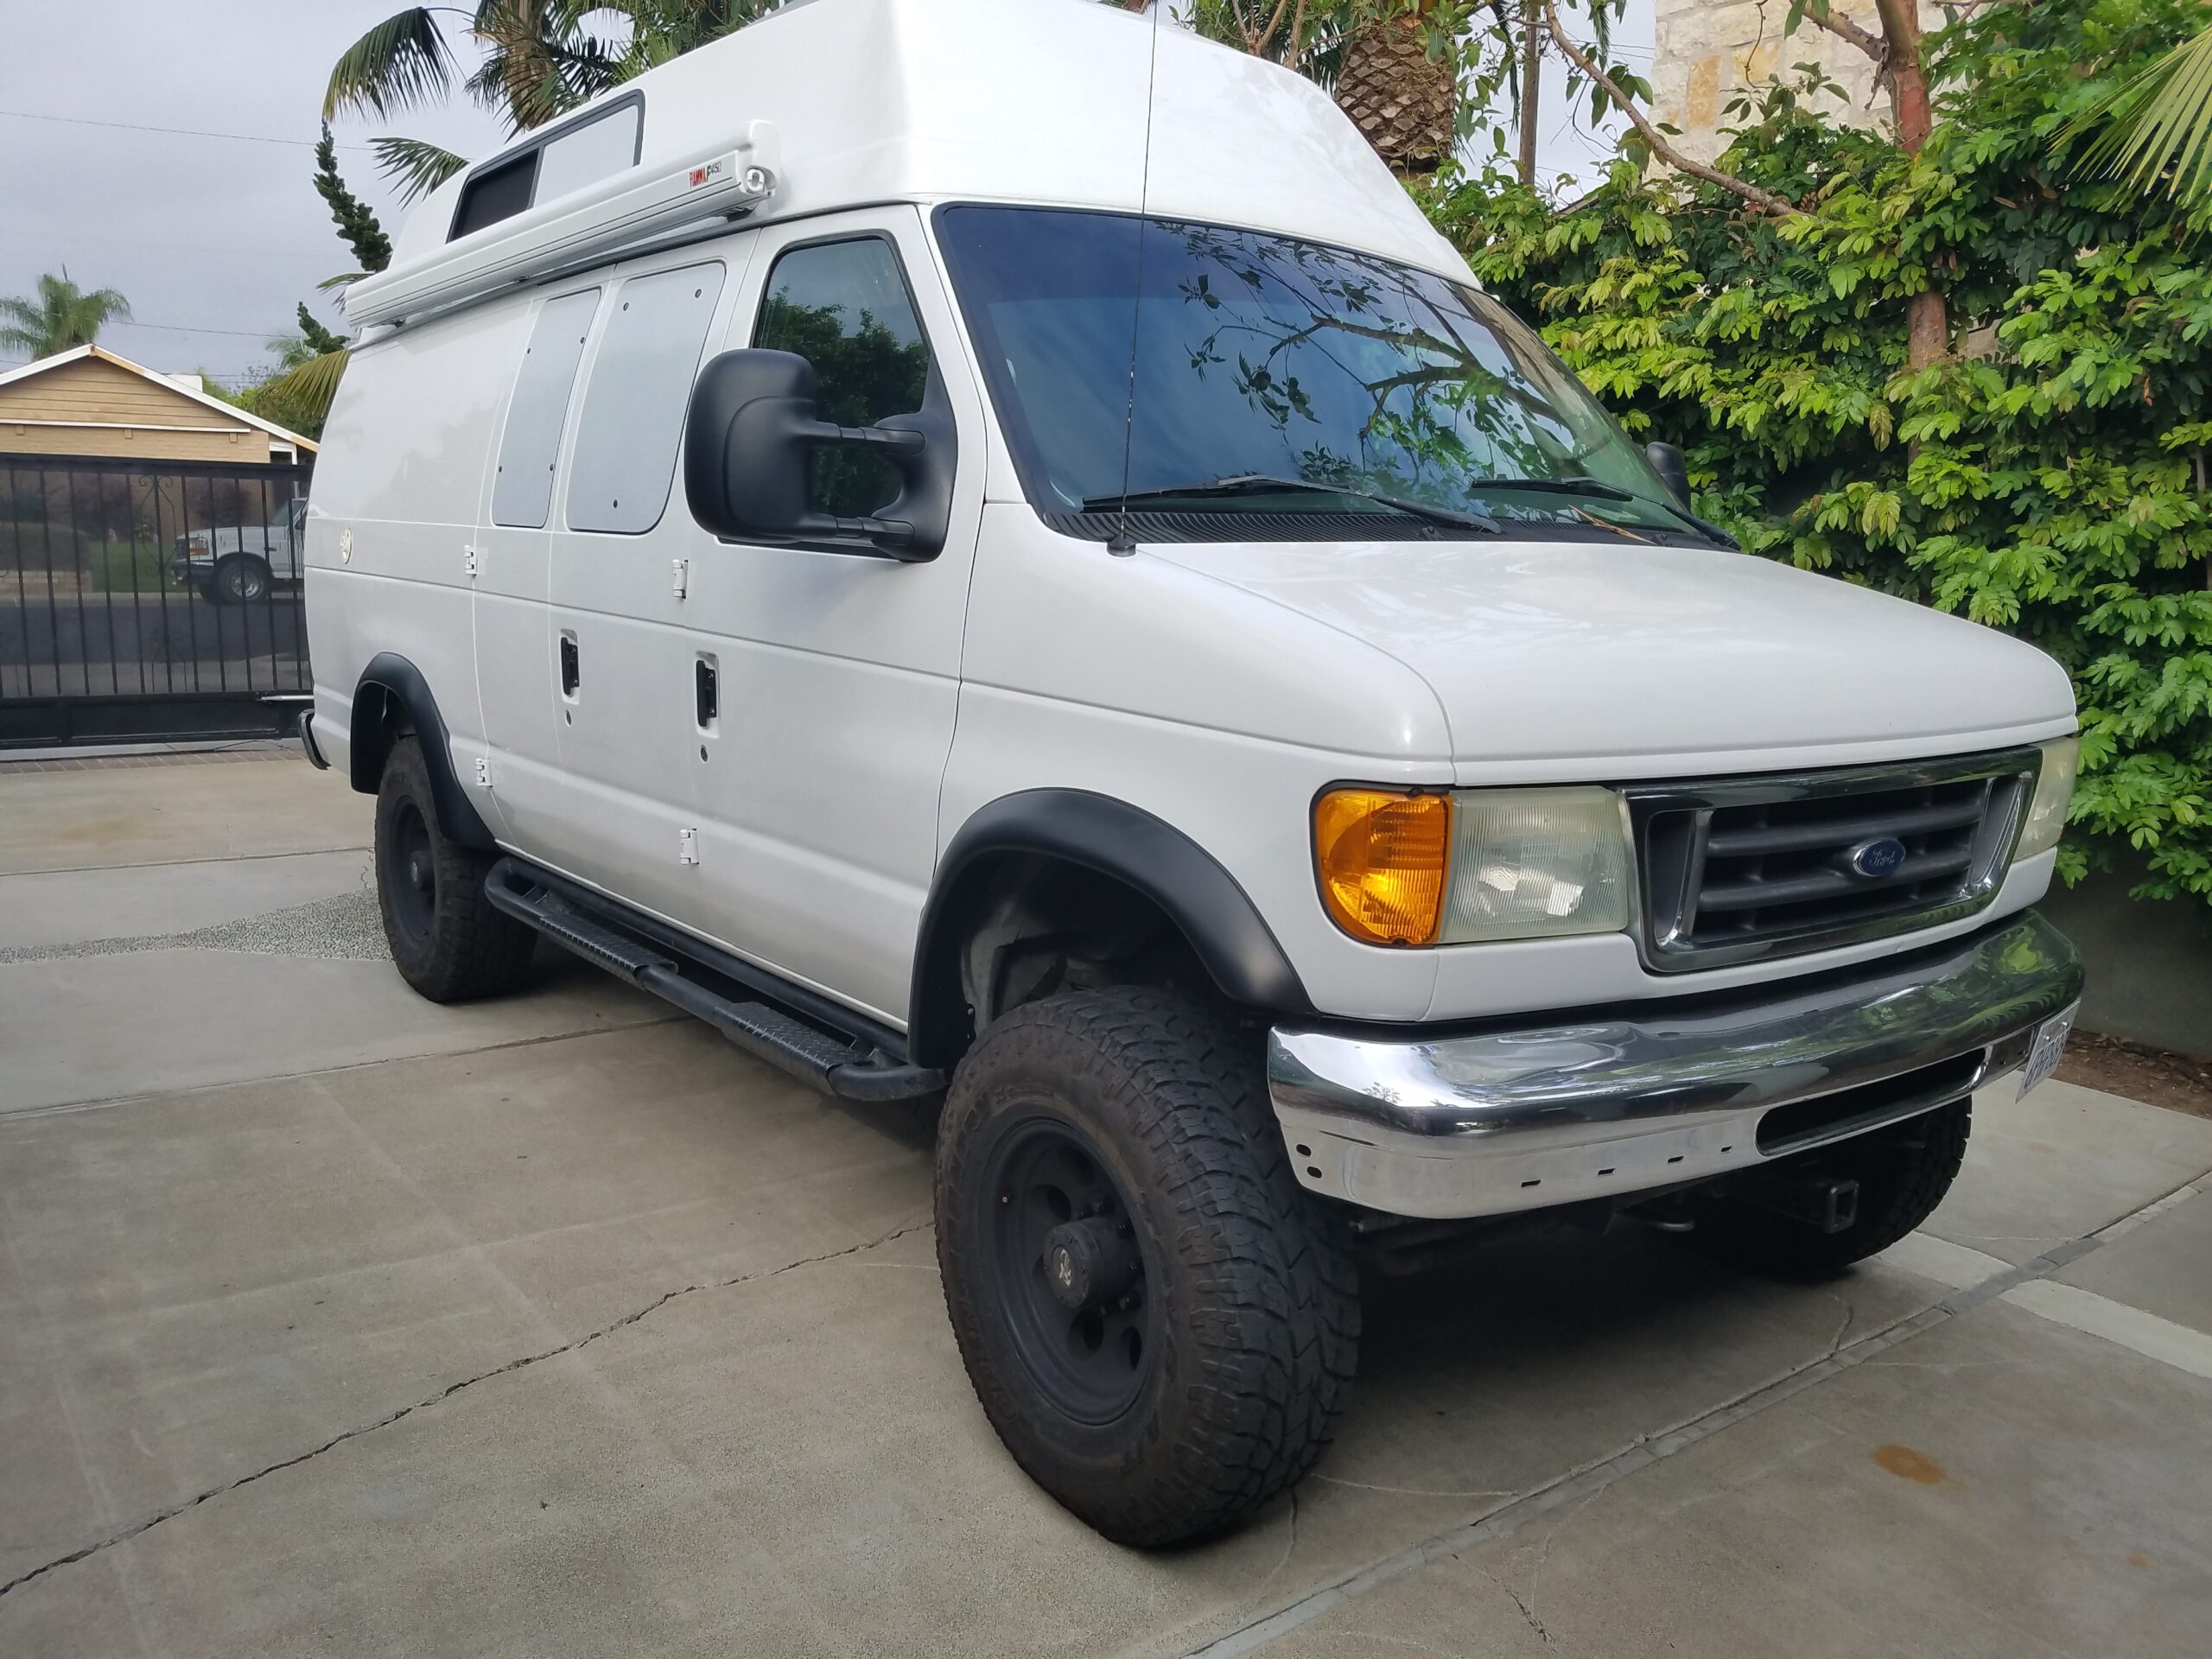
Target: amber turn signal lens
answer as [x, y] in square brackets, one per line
[1381, 858]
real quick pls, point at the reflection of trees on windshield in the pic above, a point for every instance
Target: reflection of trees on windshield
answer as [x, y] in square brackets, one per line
[1443, 396]
[1183, 364]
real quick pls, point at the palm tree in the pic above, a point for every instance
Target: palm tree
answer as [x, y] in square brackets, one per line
[63, 315]
[539, 60]
[1400, 87]
[2159, 119]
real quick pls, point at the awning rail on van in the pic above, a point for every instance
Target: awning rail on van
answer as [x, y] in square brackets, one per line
[576, 229]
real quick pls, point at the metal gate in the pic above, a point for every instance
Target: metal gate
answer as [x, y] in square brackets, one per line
[155, 601]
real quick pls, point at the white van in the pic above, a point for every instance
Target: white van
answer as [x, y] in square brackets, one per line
[985, 548]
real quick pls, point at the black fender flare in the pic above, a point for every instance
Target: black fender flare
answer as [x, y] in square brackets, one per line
[1231, 939]
[390, 682]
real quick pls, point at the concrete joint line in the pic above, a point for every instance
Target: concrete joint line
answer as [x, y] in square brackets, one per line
[211, 858]
[1592, 1478]
[146, 1523]
[61, 1106]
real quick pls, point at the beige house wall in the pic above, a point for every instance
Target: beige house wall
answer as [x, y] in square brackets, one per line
[130, 447]
[1706, 51]
[95, 408]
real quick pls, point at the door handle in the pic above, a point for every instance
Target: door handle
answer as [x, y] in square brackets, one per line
[706, 686]
[571, 671]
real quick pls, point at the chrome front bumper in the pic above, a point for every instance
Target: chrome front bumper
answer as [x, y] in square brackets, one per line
[1495, 1121]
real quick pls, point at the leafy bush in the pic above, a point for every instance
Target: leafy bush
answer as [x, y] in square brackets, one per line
[2049, 478]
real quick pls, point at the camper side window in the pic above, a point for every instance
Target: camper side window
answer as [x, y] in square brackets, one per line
[522, 489]
[844, 307]
[635, 402]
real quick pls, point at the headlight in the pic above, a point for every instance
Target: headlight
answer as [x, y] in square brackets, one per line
[2054, 793]
[1398, 867]
[1535, 864]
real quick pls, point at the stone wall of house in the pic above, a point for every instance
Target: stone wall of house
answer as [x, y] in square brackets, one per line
[1706, 51]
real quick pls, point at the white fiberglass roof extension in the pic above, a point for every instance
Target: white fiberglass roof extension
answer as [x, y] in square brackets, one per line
[847, 102]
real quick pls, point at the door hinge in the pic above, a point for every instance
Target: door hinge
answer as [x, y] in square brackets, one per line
[468, 560]
[483, 771]
[683, 576]
[687, 846]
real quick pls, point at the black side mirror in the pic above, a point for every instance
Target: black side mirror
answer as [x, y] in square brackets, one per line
[749, 449]
[1674, 471]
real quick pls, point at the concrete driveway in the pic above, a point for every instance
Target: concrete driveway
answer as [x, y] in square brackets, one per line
[333, 1322]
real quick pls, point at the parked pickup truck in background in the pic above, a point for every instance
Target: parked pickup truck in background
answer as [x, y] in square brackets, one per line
[234, 564]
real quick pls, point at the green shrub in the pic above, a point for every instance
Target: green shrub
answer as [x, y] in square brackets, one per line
[2050, 478]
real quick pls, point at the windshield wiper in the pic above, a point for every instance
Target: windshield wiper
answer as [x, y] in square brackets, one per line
[1584, 486]
[1238, 484]
[1575, 486]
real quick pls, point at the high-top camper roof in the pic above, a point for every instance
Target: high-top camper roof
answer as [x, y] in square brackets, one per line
[1003, 100]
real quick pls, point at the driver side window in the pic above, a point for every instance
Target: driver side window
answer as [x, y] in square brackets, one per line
[843, 306]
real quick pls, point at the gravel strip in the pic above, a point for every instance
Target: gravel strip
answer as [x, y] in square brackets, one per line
[346, 928]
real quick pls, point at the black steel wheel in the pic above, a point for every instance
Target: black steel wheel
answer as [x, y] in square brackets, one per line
[407, 872]
[447, 940]
[241, 579]
[1069, 1268]
[1160, 1322]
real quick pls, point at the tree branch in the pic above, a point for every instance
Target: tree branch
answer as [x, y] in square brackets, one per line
[1841, 27]
[1766, 201]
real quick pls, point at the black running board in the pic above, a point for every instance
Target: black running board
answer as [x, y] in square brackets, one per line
[850, 1066]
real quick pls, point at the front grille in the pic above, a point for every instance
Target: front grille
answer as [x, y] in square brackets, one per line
[1735, 869]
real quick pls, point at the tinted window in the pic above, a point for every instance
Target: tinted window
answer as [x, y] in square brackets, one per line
[632, 420]
[1264, 361]
[570, 159]
[844, 306]
[499, 193]
[522, 490]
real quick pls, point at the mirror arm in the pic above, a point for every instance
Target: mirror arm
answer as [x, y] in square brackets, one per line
[888, 442]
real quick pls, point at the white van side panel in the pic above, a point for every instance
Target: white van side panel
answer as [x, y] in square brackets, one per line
[394, 516]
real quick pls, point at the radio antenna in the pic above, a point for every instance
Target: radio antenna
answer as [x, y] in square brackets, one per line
[1120, 545]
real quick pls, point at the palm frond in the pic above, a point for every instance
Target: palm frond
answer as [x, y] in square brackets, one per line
[309, 386]
[415, 166]
[343, 279]
[402, 61]
[2157, 125]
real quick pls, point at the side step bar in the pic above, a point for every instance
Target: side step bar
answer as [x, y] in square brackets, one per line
[850, 1068]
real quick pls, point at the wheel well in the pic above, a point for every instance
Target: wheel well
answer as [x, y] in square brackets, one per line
[379, 721]
[392, 701]
[1021, 926]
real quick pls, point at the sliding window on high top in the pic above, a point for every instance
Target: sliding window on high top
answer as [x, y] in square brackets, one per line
[557, 161]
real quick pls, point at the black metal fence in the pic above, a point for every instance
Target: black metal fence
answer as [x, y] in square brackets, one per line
[155, 601]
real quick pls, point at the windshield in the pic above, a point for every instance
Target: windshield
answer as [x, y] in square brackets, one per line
[1276, 375]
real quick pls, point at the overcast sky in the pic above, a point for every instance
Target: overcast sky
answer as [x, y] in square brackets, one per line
[212, 229]
[213, 240]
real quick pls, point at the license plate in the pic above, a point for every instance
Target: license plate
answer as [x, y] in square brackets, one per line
[2044, 1052]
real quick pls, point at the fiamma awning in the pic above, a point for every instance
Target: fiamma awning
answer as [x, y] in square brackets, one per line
[573, 231]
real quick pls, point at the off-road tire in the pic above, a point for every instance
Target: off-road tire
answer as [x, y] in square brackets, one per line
[1255, 1299]
[450, 944]
[1902, 1173]
[239, 579]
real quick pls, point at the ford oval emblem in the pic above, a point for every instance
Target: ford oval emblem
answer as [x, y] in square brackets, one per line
[1879, 857]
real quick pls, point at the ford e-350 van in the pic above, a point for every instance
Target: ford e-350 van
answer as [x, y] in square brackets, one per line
[985, 548]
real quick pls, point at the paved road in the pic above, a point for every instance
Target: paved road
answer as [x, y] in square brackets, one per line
[338, 1323]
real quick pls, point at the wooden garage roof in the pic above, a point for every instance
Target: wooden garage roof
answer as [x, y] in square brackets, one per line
[90, 401]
